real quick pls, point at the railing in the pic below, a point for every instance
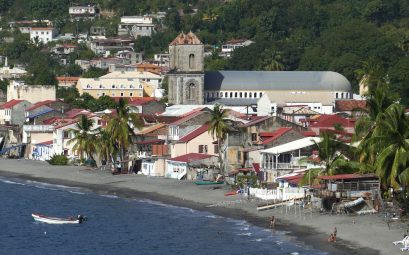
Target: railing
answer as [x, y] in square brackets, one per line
[278, 193]
[38, 128]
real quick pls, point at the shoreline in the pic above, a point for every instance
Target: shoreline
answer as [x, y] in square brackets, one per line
[310, 232]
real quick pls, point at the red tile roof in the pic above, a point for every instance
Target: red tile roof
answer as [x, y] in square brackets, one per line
[274, 135]
[75, 112]
[67, 78]
[10, 104]
[330, 120]
[39, 104]
[189, 38]
[187, 158]
[194, 134]
[346, 176]
[349, 105]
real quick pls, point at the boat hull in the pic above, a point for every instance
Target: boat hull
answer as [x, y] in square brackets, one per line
[52, 220]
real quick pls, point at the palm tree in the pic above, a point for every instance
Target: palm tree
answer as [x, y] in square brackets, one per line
[329, 152]
[390, 138]
[218, 127]
[370, 75]
[84, 138]
[105, 146]
[120, 128]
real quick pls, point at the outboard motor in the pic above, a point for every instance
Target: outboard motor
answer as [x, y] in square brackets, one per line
[80, 218]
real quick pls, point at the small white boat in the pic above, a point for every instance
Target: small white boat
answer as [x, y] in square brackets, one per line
[53, 220]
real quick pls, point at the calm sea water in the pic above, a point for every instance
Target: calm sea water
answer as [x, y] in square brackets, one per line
[123, 226]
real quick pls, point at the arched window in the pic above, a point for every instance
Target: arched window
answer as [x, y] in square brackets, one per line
[250, 94]
[88, 86]
[235, 95]
[241, 94]
[255, 94]
[100, 86]
[113, 86]
[245, 94]
[342, 95]
[261, 94]
[231, 94]
[192, 61]
[192, 92]
[336, 95]
[226, 94]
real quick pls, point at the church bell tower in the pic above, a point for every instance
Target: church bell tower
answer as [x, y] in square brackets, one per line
[186, 76]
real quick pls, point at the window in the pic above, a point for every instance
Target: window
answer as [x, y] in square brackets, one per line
[203, 149]
[250, 95]
[253, 137]
[216, 149]
[130, 94]
[342, 95]
[140, 86]
[235, 95]
[100, 86]
[122, 94]
[226, 94]
[66, 134]
[191, 61]
[336, 95]
[88, 86]
[103, 93]
[113, 94]
[241, 94]
[113, 86]
[238, 156]
[255, 94]
[260, 94]
[245, 94]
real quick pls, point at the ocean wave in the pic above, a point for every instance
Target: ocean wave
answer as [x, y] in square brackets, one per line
[245, 234]
[257, 240]
[11, 182]
[109, 196]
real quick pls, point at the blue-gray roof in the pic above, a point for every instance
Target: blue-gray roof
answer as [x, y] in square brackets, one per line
[34, 115]
[280, 80]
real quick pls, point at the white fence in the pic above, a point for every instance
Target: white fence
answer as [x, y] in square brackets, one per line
[277, 194]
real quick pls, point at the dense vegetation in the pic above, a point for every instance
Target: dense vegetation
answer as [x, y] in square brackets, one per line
[338, 35]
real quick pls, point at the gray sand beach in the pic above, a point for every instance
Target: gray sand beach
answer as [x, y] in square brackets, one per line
[367, 234]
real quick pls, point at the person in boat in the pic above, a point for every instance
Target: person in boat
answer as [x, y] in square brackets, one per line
[80, 218]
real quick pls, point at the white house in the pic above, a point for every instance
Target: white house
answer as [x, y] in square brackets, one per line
[230, 46]
[42, 34]
[83, 12]
[32, 93]
[136, 26]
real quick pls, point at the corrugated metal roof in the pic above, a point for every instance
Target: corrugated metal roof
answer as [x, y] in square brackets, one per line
[294, 145]
[187, 158]
[276, 80]
[40, 113]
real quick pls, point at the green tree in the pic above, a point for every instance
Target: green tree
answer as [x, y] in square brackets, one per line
[121, 127]
[84, 138]
[391, 138]
[328, 151]
[94, 72]
[218, 128]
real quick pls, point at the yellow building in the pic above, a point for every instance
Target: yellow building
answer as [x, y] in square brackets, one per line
[121, 84]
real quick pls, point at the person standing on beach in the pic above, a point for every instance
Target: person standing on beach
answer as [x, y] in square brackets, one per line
[272, 221]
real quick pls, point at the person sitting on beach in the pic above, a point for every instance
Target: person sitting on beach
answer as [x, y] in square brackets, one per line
[332, 238]
[272, 221]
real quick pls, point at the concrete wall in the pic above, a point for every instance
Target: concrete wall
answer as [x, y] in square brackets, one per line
[31, 93]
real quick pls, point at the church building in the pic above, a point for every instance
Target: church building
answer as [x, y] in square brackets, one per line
[190, 84]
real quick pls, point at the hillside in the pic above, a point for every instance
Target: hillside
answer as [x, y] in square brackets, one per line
[339, 35]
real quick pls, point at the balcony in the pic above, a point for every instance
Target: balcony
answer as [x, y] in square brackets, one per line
[38, 128]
